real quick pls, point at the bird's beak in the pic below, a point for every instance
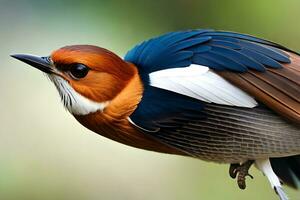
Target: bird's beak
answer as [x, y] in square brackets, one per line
[42, 63]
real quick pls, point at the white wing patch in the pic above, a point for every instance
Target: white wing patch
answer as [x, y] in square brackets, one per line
[200, 82]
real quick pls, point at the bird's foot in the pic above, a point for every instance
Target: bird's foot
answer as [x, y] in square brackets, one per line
[241, 172]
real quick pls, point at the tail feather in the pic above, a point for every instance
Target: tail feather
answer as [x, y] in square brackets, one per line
[288, 170]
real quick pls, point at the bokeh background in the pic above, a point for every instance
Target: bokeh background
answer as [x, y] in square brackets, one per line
[45, 154]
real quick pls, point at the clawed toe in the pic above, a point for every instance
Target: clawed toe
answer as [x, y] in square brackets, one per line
[241, 172]
[233, 170]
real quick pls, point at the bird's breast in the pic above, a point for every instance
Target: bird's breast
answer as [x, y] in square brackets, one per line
[113, 123]
[122, 131]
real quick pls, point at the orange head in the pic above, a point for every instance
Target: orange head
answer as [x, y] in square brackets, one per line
[87, 77]
[99, 89]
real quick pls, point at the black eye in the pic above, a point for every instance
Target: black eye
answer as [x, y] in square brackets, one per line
[79, 70]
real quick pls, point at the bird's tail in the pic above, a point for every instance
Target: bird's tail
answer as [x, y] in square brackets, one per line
[288, 170]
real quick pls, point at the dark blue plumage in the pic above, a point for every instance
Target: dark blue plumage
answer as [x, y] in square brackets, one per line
[161, 107]
[215, 49]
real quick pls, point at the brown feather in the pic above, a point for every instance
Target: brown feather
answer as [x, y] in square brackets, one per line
[279, 89]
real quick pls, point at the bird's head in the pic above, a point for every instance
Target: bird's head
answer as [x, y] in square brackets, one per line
[87, 77]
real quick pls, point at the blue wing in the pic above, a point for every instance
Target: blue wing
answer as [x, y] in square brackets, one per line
[217, 50]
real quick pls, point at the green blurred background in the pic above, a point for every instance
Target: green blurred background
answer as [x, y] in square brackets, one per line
[45, 154]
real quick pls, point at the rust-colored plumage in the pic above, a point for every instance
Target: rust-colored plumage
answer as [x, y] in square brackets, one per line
[109, 80]
[109, 74]
[113, 80]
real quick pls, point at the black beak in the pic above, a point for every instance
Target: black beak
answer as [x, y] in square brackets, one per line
[41, 63]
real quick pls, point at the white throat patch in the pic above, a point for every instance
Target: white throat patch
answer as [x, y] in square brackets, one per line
[73, 101]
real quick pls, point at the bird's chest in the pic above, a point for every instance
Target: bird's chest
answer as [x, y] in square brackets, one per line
[122, 131]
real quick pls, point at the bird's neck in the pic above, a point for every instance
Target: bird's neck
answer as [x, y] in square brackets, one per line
[113, 121]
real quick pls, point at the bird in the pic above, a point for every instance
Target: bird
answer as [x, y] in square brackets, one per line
[218, 96]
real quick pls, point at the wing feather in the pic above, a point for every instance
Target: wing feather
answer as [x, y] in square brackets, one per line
[279, 89]
[201, 83]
